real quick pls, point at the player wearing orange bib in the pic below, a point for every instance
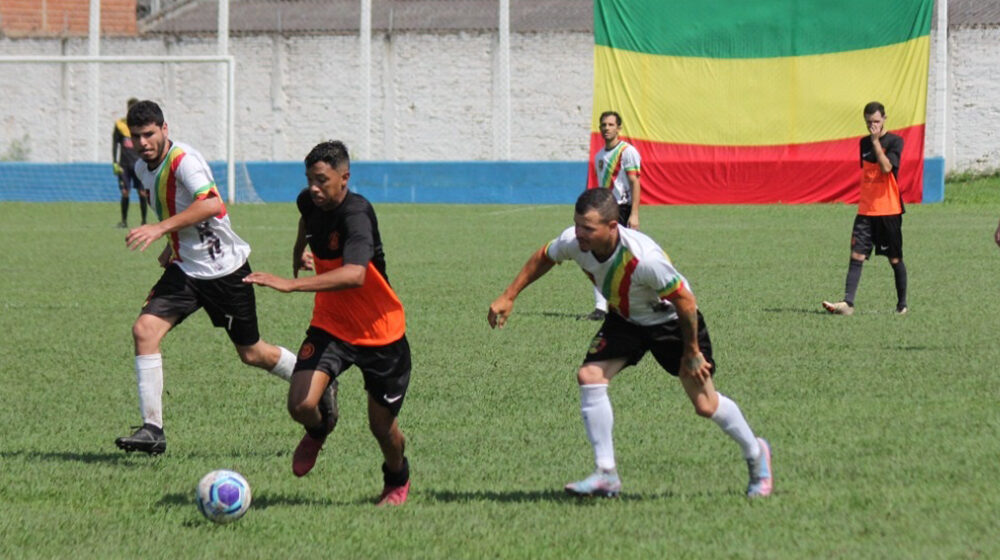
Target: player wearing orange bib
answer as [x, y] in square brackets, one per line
[879, 223]
[357, 318]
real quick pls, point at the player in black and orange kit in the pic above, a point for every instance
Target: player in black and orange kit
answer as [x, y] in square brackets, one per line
[879, 223]
[357, 318]
[123, 158]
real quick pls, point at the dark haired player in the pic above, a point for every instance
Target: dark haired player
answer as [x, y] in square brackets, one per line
[879, 223]
[123, 160]
[204, 261]
[651, 309]
[357, 317]
[617, 166]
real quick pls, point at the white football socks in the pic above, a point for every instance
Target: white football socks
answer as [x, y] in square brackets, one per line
[729, 417]
[285, 365]
[598, 419]
[149, 378]
[599, 301]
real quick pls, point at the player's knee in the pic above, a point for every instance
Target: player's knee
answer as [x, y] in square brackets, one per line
[254, 356]
[250, 358]
[143, 332]
[588, 375]
[301, 411]
[384, 431]
[704, 408]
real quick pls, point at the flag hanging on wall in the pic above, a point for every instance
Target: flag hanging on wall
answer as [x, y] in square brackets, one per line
[736, 101]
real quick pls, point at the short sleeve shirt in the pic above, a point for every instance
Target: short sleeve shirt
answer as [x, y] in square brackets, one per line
[371, 315]
[637, 279]
[612, 168]
[892, 145]
[207, 250]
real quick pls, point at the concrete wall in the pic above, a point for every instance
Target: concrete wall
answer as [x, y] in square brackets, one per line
[432, 97]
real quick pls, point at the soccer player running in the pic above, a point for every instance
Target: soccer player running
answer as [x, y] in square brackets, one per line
[357, 317]
[204, 262]
[617, 167]
[123, 160]
[651, 308]
[879, 223]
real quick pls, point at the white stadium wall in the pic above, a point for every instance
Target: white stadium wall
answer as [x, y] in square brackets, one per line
[432, 96]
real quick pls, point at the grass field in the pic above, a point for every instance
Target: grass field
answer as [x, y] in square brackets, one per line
[885, 429]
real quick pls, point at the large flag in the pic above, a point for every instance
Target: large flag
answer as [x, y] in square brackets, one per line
[760, 101]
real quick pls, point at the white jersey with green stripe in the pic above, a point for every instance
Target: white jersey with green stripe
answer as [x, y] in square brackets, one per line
[637, 279]
[207, 250]
[612, 168]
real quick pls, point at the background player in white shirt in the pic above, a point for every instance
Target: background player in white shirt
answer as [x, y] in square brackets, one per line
[652, 309]
[204, 261]
[617, 166]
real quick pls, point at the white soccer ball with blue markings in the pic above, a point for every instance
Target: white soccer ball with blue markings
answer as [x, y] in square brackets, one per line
[223, 496]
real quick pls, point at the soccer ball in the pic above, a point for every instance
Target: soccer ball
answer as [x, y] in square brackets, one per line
[223, 496]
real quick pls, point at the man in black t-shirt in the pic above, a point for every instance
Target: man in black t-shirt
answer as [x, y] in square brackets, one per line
[357, 318]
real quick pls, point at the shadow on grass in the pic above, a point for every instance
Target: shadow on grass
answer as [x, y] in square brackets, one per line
[263, 501]
[122, 457]
[552, 314]
[533, 496]
[799, 310]
[64, 456]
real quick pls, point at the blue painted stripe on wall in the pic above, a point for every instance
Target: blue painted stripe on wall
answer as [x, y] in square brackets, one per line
[421, 182]
[933, 180]
[418, 182]
[523, 182]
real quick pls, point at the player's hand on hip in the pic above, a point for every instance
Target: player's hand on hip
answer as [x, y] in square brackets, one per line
[696, 367]
[499, 311]
[269, 280]
[142, 236]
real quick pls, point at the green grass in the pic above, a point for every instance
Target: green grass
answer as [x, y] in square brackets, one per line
[884, 428]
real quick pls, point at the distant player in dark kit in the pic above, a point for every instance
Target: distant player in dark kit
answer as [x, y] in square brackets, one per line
[357, 318]
[651, 308]
[123, 160]
[879, 223]
[204, 261]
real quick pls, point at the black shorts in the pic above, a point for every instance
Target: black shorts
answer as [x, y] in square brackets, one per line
[229, 302]
[883, 233]
[386, 369]
[624, 212]
[129, 179]
[619, 338]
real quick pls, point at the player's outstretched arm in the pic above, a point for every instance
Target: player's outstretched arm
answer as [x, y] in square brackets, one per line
[199, 211]
[341, 278]
[693, 363]
[537, 266]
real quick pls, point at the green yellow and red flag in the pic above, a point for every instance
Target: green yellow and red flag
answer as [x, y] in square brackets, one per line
[747, 101]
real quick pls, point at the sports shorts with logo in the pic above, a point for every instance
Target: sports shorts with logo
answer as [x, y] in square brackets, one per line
[229, 302]
[882, 233]
[618, 338]
[386, 369]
